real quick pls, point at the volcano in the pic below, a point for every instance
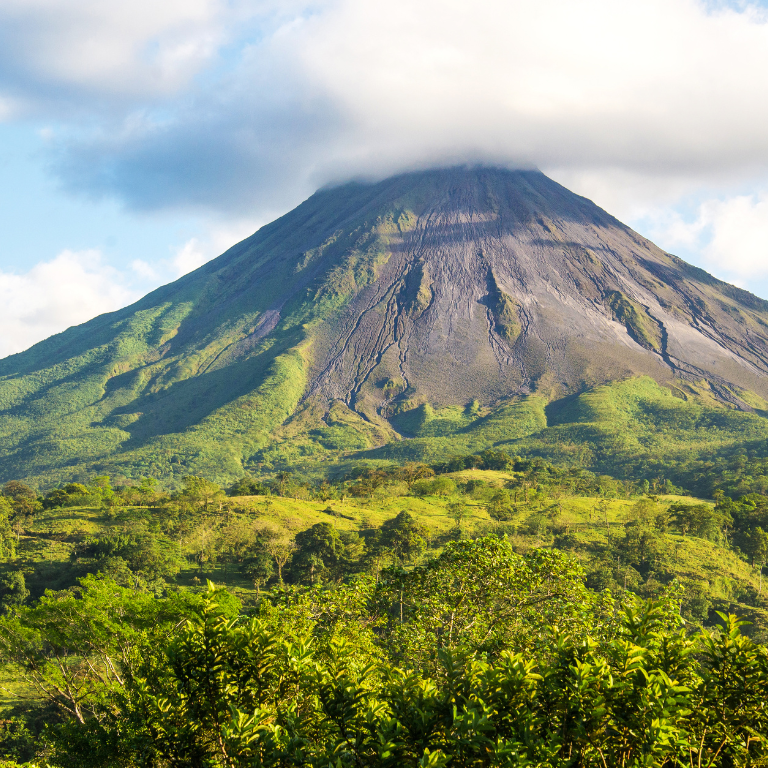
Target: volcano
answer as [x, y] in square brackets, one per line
[375, 315]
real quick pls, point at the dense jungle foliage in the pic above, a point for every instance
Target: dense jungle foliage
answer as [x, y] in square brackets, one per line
[484, 610]
[480, 657]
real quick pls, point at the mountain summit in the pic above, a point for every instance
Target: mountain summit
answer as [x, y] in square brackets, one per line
[368, 311]
[496, 283]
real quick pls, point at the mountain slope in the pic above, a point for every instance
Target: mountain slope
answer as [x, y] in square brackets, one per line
[355, 318]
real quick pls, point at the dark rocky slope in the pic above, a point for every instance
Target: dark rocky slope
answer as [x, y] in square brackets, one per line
[506, 282]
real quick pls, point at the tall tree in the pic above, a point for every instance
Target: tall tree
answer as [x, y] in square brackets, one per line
[403, 536]
[319, 552]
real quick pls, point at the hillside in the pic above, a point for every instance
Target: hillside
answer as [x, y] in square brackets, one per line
[377, 320]
[623, 539]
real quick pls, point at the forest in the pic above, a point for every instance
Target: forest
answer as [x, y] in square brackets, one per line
[480, 611]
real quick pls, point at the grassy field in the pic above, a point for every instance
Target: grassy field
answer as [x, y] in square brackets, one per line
[593, 529]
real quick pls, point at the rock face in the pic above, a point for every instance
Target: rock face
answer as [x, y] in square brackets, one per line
[428, 289]
[504, 282]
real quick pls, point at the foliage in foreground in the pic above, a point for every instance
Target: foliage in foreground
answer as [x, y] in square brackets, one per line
[243, 695]
[482, 657]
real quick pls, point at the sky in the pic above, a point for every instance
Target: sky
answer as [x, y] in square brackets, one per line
[140, 139]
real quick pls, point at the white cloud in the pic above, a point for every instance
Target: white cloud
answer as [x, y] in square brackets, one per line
[86, 46]
[663, 86]
[218, 237]
[728, 236]
[188, 257]
[144, 269]
[54, 295]
[739, 239]
[8, 108]
[668, 92]
[222, 235]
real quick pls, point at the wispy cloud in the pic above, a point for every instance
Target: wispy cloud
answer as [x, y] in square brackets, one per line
[69, 57]
[188, 257]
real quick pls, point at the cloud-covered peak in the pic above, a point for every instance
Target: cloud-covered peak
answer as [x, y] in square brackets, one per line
[232, 111]
[214, 118]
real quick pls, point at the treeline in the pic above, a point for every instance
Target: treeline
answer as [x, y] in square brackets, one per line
[145, 547]
[742, 473]
[153, 533]
[529, 474]
[479, 657]
[363, 481]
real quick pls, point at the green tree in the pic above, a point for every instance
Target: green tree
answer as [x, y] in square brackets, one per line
[481, 596]
[318, 555]
[412, 472]
[70, 494]
[77, 648]
[354, 550]
[15, 490]
[695, 603]
[101, 492]
[458, 510]
[248, 486]
[754, 543]
[145, 555]
[498, 460]
[443, 486]
[251, 547]
[697, 519]
[199, 492]
[482, 657]
[236, 539]
[258, 564]
[500, 507]
[23, 498]
[203, 544]
[281, 550]
[13, 590]
[642, 546]
[7, 516]
[403, 536]
[147, 487]
[282, 482]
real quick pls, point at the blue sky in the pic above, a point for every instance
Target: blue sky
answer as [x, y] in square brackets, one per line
[138, 140]
[38, 218]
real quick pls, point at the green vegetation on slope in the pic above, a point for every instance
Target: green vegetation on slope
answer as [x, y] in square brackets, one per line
[640, 326]
[196, 376]
[635, 428]
[505, 312]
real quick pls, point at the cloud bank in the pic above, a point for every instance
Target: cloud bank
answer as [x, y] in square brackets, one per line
[238, 109]
[186, 111]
